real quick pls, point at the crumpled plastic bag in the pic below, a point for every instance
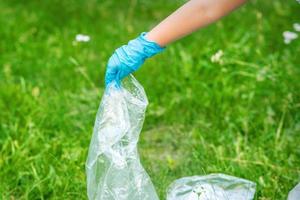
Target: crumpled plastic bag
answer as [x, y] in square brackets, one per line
[113, 167]
[294, 194]
[211, 187]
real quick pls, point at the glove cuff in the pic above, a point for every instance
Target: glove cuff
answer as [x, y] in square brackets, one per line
[150, 47]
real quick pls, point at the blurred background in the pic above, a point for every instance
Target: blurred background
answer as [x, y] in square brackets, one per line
[225, 99]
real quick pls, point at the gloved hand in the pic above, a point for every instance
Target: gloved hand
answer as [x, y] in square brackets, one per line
[128, 58]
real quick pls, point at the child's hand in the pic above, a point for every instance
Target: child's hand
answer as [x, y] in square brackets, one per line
[128, 58]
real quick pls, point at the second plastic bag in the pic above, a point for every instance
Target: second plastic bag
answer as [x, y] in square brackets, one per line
[211, 187]
[113, 167]
[294, 194]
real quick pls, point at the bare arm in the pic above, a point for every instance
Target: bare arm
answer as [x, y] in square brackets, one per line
[190, 17]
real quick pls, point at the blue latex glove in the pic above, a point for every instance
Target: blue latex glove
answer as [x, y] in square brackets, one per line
[128, 58]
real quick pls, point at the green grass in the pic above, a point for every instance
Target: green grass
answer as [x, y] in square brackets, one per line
[240, 116]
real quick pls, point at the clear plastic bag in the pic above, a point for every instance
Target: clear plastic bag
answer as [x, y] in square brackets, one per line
[211, 187]
[294, 194]
[113, 167]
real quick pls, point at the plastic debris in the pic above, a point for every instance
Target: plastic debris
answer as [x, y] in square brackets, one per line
[294, 194]
[113, 167]
[211, 187]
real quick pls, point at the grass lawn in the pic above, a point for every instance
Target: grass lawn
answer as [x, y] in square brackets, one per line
[239, 116]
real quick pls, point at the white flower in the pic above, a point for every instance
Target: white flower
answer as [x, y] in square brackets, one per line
[297, 26]
[289, 36]
[82, 38]
[216, 58]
